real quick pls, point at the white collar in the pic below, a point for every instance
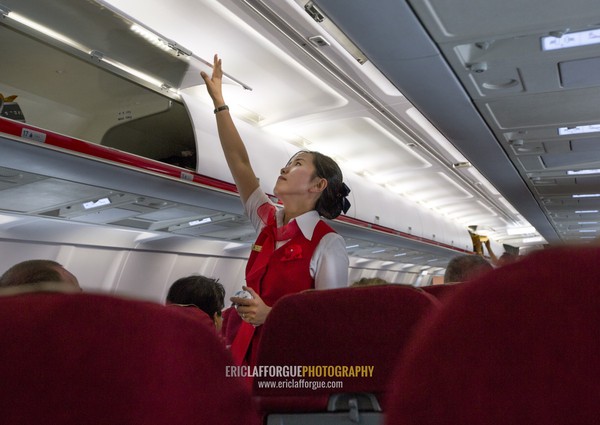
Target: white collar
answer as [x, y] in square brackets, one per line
[306, 222]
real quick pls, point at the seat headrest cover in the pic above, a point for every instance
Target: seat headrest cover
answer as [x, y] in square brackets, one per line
[519, 345]
[358, 326]
[83, 358]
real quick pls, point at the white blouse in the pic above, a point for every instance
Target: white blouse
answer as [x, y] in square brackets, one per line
[329, 263]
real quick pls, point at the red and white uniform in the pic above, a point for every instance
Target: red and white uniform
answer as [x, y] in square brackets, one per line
[304, 254]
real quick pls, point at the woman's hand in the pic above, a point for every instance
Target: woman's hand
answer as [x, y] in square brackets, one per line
[215, 82]
[253, 311]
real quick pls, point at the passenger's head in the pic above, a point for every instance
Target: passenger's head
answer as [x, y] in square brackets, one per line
[327, 180]
[369, 281]
[466, 267]
[507, 258]
[203, 292]
[37, 271]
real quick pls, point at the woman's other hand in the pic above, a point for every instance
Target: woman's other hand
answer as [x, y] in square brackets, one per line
[253, 311]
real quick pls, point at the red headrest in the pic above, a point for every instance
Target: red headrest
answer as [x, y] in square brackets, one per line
[75, 359]
[520, 345]
[361, 326]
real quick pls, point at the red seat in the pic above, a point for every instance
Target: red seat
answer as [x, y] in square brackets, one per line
[361, 326]
[443, 290]
[82, 359]
[519, 346]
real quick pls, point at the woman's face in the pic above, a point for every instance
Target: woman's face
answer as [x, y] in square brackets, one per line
[297, 177]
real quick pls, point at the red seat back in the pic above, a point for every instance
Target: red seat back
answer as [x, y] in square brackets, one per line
[361, 326]
[442, 291]
[520, 346]
[74, 359]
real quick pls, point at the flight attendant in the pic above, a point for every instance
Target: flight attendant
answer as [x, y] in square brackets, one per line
[295, 249]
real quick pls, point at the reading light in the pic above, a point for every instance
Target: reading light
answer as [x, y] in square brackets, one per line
[574, 39]
[95, 204]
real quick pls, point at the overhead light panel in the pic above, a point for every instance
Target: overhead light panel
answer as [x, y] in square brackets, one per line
[533, 239]
[586, 211]
[199, 222]
[95, 204]
[586, 195]
[573, 39]
[580, 129]
[520, 230]
[583, 172]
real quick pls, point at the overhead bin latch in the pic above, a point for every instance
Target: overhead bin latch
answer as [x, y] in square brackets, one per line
[4, 11]
[180, 50]
[97, 55]
[314, 13]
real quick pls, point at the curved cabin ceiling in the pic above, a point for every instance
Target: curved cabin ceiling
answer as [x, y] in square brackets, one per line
[389, 107]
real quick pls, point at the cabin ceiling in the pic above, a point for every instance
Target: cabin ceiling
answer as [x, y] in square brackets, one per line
[457, 112]
[479, 73]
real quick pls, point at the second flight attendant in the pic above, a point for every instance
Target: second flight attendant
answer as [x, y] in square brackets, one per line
[295, 249]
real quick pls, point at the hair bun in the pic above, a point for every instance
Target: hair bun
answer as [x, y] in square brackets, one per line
[344, 192]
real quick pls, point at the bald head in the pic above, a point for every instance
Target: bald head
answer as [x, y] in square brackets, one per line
[37, 271]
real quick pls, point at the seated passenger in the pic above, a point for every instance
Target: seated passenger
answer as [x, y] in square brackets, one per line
[202, 292]
[37, 272]
[369, 281]
[466, 267]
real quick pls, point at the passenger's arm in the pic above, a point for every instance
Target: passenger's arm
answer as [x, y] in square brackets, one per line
[231, 142]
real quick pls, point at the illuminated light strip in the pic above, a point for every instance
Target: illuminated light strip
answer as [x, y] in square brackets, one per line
[198, 222]
[583, 172]
[533, 239]
[152, 38]
[586, 212]
[574, 39]
[134, 72]
[80, 47]
[587, 195]
[46, 31]
[580, 129]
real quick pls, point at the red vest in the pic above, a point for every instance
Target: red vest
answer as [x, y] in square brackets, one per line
[286, 271]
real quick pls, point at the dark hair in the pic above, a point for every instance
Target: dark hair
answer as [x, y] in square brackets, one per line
[370, 281]
[32, 271]
[466, 267]
[332, 201]
[203, 292]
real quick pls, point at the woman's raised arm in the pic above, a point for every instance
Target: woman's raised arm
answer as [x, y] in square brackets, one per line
[231, 142]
